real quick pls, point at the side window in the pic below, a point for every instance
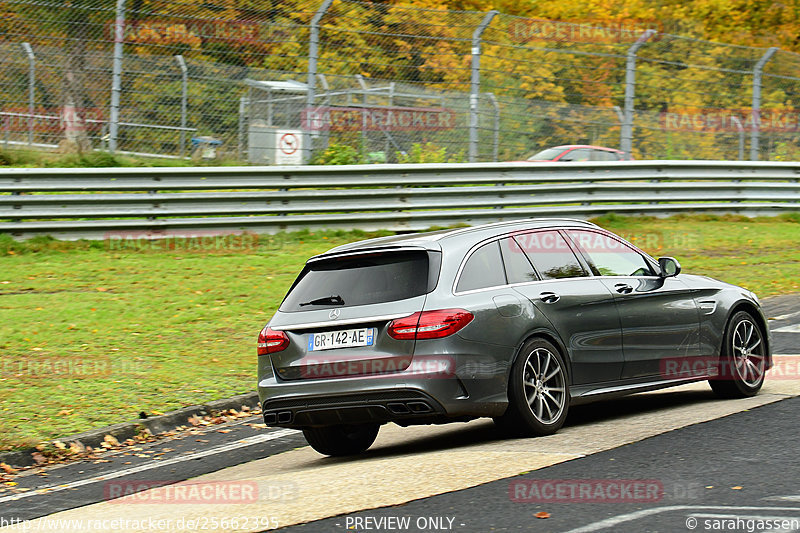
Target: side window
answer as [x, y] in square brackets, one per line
[484, 268]
[579, 154]
[518, 268]
[550, 255]
[604, 155]
[610, 257]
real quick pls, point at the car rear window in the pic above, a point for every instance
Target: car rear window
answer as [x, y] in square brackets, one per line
[362, 280]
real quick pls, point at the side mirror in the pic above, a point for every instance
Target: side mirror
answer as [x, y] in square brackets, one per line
[669, 267]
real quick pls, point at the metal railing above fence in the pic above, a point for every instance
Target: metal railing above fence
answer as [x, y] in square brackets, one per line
[102, 202]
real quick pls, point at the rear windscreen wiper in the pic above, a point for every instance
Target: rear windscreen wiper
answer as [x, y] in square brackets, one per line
[333, 299]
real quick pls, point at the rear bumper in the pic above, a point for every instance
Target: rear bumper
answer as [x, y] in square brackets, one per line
[402, 405]
[403, 397]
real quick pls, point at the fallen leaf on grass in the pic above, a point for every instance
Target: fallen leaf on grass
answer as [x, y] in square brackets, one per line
[7, 469]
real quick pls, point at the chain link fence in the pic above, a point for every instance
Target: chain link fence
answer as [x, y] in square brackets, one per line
[279, 82]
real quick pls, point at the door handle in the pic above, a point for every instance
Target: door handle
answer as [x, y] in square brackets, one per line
[623, 288]
[549, 297]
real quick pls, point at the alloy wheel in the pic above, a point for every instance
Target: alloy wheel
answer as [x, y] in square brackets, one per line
[748, 353]
[544, 385]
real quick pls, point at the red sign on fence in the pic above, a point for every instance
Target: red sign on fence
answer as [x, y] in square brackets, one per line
[178, 29]
[729, 120]
[333, 118]
[523, 30]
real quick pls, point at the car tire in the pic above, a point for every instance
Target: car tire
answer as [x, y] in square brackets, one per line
[743, 358]
[338, 441]
[538, 392]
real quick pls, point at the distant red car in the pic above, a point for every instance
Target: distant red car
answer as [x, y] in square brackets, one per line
[579, 152]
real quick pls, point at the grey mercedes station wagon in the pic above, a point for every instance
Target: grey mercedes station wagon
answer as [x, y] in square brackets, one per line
[515, 321]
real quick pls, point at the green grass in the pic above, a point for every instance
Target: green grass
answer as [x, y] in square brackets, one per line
[92, 334]
[41, 159]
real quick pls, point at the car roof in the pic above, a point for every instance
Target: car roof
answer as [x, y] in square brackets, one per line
[605, 148]
[430, 239]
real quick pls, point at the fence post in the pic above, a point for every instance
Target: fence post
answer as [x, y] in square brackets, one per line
[496, 143]
[31, 88]
[243, 105]
[756, 113]
[738, 123]
[626, 132]
[475, 84]
[313, 53]
[116, 77]
[184, 96]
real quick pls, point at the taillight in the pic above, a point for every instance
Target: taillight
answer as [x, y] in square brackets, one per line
[429, 324]
[271, 341]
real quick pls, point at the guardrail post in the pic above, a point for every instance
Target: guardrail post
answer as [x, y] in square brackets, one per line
[116, 77]
[626, 132]
[313, 54]
[755, 127]
[475, 84]
[184, 96]
[31, 88]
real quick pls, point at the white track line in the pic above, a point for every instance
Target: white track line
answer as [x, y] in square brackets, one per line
[784, 317]
[249, 441]
[620, 519]
[794, 328]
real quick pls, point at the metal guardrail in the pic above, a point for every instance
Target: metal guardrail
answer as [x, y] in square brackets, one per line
[117, 202]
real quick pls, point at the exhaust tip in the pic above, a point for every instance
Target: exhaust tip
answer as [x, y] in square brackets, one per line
[270, 418]
[398, 408]
[284, 417]
[419, 407]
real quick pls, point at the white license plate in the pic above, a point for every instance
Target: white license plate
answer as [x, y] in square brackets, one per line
[343, 338]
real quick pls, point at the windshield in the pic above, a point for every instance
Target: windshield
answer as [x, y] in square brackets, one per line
[359, 280]
[550, 153]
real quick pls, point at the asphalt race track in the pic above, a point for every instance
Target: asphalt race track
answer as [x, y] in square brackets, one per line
[662, 461]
